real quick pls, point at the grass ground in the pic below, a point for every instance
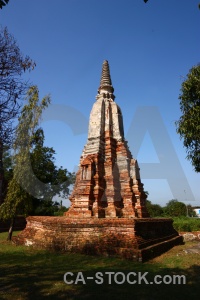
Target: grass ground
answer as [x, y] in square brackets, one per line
[26, 273]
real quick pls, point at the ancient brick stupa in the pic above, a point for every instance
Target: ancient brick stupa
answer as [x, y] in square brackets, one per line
[108, 213]
[108, 180]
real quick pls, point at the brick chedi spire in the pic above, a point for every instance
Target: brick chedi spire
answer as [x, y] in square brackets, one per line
[108, 181]
[108, 205]
[105, 83]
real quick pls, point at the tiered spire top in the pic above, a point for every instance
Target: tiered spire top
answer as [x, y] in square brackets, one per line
[105, 75]
[105, 83]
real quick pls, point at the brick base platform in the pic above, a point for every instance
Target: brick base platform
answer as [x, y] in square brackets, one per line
[136, 239]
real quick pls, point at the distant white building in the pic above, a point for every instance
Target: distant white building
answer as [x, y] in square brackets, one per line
[197, 210]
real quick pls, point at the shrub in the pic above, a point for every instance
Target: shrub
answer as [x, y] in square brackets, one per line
[186, 224]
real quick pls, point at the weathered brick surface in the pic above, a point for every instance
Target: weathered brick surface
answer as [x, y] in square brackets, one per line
[137, 239]
[108, 205]
[190, 236]
[108, 181]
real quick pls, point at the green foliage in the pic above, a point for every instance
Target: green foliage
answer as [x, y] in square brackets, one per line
[190, 211]
[61, 211]
[186, 224]
[56, 181]
[7, 163]
[7, 171]
[174, 208]
[43, 166]
[36, 179]
[154, 210]
[188, 126]
[18, 200]
[12, 65]
[43, 207]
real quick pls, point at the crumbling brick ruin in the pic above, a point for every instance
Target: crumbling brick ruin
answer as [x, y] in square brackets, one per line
[108, 212]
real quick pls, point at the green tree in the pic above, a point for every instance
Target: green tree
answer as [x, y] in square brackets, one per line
[154, 210]
[174, 208]
[12, 65]
[18, 200]
[190, 211]
[56, 181]
[188, 126]
[8, 172]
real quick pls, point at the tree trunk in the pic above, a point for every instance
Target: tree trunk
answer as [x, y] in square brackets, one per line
[10, 231]
[1, 172]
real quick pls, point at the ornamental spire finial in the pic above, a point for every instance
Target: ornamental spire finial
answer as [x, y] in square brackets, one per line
[105, 83]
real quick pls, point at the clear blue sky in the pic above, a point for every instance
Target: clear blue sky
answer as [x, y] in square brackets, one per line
[150, 48]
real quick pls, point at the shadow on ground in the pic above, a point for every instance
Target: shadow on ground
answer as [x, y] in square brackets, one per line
[30, 274]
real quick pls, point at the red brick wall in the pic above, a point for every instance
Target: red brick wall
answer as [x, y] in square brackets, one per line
[127, 238]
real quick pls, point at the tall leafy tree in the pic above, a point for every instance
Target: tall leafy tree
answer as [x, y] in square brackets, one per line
[154, 210]
[174, 208]
[56, 181]
[12, 87]
[20, 188]
[8, 172]
[35, 179]
[188, 126]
